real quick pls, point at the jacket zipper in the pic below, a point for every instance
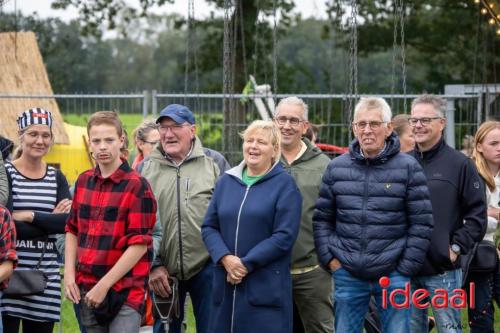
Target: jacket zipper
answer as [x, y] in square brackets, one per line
[236, 254]
[363, 217]
[179, 229]
[187, 193]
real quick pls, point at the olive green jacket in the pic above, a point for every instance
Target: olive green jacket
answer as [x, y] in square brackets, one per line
[307, 171]
[183, 193]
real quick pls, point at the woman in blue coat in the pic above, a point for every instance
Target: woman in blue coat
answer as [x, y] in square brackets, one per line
[249, 230]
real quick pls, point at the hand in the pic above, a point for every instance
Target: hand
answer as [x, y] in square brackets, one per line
[334, 265]
[158, 282]
[453, 256]
[232, 281]
[64, 206]
[71, 289]
[234, 267]
[23, 215]
[96, 295]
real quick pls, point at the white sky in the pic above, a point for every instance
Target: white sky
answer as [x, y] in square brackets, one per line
[315, 8]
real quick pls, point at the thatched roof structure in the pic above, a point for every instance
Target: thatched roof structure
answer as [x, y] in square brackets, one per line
[22, 72]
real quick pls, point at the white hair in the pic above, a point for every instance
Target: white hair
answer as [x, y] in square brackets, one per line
[376, 104]
[293, 100]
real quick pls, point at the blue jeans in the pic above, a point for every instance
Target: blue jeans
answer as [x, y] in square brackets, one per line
[199, 288]
[447, 319]
[352, 296]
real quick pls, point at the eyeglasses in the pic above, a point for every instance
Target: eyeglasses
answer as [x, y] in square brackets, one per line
[373, 124]
[423, 121]
[173, 128]
[293, 121]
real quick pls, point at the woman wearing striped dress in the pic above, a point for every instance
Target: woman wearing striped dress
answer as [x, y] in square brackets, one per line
[40, 203]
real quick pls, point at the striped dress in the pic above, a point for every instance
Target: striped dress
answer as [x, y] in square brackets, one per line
[36, 195]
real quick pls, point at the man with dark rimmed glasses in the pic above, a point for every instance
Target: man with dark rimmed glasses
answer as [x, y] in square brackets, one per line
[312, 285]
[459, 210]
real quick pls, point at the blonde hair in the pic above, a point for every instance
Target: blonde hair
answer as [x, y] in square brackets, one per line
[477, 156]
[270, 128]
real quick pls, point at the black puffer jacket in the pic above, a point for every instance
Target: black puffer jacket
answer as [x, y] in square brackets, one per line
[459, 202]
[374, 215]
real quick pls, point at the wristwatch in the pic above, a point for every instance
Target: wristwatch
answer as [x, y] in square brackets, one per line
[455, 248]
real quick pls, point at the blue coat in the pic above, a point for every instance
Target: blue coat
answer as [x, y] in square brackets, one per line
[374, 214]
[259, 224]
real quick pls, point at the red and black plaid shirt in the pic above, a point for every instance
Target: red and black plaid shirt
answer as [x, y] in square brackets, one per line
[7, 240]
[109, 215]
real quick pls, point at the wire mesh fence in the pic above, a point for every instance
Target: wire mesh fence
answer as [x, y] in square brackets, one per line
[221, 131]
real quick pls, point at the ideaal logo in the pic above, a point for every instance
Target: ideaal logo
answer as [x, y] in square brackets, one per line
[419, 297]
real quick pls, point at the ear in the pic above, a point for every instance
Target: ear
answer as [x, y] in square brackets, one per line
[443, 123]
[193, 130]
[479, 147]
[305, 127]
[390, 128]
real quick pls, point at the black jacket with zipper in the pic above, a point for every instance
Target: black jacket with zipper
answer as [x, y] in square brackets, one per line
[458, 205]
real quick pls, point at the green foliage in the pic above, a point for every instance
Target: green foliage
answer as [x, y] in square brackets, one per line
[447, 41]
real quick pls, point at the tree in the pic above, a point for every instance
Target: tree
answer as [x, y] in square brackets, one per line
[444, 39]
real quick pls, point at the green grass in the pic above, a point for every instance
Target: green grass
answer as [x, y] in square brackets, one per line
[70, 325]
[130, 121]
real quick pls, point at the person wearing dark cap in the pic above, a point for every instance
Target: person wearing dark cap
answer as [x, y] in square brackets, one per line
[182, 174]
[40, 204]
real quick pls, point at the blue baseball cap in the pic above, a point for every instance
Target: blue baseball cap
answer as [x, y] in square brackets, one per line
[178, 113]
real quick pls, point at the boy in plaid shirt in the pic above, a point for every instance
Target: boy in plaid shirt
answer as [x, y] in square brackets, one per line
[8, 256]
[109, 235]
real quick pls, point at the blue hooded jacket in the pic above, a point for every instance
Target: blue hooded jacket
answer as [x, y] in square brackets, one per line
[259, 224]
[374, 214]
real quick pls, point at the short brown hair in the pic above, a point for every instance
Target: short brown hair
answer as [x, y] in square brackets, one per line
[105, 118]
[400, 123]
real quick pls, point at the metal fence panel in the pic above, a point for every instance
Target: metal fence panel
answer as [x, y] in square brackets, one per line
[220, 132]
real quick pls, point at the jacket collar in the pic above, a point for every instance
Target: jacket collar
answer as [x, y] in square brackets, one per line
[237, 171]
[431, 153]
[391, 149]
[311, 152]
[116, 176]
[196, 151]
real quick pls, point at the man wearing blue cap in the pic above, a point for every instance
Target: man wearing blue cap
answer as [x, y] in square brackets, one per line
[182, 174]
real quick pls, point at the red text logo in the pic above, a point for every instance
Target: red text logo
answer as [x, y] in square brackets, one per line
[419, 297]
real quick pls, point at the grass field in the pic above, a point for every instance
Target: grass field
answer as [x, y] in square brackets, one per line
[69, 324]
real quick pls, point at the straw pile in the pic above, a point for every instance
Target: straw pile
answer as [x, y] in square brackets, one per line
[22, 72]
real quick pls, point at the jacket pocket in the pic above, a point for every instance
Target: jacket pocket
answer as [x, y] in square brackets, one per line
[265, 287]
[218, 284]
